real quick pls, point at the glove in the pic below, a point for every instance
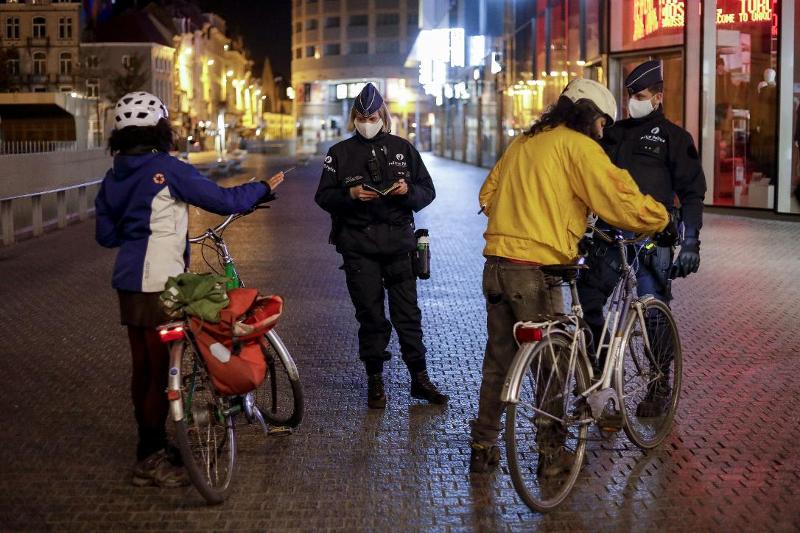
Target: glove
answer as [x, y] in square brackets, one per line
[668, 236]
[689, 259]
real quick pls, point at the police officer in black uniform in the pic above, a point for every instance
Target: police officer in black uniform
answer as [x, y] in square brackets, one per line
[664, 162]
[374, 232]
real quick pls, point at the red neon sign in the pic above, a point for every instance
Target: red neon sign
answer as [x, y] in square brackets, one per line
[650, 16]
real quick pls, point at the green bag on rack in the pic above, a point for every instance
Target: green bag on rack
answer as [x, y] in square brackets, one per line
[200, 295]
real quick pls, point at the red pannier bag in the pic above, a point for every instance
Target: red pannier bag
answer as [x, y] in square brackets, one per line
[231, 348]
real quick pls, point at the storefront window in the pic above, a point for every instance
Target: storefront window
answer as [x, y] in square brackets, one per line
[746, 113]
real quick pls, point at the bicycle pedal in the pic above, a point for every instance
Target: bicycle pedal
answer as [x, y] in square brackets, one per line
[279, 431]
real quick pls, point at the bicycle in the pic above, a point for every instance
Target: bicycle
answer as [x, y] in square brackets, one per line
[204, 420]
[553, 396]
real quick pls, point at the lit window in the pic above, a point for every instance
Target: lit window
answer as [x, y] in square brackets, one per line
[92, 87]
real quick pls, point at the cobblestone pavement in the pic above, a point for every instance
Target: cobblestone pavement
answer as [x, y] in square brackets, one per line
[67, 431]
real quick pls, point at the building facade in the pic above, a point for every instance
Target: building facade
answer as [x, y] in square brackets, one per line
[111, 69]
[340, 45]
[39, 42]
[731, 79]
[218, 98]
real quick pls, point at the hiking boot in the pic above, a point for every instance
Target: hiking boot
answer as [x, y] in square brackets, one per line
[423, 389]
[376, 396]
[157, 469]
[657, 401]
[483, 458]
[555, 463]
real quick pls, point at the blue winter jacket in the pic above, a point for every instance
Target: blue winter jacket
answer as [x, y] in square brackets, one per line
[143, 207]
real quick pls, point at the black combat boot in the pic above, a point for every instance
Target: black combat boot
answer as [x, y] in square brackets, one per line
[376, 396]
[423, 389]
[483, 458]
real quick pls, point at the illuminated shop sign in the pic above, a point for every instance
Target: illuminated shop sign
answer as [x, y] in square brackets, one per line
[650, 16]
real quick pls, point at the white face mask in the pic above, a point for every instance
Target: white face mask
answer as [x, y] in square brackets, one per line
[368, 130]
[639, 108]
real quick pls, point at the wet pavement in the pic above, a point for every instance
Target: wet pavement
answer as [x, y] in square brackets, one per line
[68, 434]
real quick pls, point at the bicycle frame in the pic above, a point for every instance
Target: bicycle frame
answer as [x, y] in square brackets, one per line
[570, 326]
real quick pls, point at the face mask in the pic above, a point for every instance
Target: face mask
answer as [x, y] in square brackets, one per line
[368, 130]
[639, 108]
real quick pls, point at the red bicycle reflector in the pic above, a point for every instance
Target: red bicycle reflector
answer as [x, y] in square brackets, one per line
[169, 334]
[173, 395]
[528, 334]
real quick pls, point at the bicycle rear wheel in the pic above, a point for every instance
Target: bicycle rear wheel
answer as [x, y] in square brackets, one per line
[206, 434]
[280, 397]
[546, 431]
[650, 375]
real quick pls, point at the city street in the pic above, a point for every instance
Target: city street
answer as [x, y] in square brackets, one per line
[67, 436]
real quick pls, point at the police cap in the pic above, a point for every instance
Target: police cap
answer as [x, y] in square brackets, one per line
[644, 76]
[368, 101]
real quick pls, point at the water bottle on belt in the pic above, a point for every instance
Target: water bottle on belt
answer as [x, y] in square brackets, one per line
[422, 255]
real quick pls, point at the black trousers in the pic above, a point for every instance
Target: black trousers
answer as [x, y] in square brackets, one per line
[596, 284]
[369, 278]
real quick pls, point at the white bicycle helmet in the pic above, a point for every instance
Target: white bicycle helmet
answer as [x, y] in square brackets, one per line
[597, 93]
[139, 109]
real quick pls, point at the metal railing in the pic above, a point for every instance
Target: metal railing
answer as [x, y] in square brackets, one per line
[33, 147]
[39, 216]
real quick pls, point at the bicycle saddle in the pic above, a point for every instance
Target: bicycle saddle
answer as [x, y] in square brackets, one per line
[566, 272]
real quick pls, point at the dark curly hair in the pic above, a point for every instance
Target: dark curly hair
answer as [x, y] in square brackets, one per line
[142, 138]
[578, 116]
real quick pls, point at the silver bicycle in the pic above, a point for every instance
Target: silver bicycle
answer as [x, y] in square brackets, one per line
[553, 395]
[204, 420]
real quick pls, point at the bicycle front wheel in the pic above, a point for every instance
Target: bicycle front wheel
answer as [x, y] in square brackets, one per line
[650, 374]
[280, 397]
[206, 434]
[546, 431]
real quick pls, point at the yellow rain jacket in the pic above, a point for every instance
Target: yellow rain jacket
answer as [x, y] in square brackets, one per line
[538, 195]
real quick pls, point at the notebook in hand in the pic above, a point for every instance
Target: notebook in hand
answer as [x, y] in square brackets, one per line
[382, 192]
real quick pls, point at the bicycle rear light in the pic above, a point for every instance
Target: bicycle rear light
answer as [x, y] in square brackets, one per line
[527, 333]
[171, 332]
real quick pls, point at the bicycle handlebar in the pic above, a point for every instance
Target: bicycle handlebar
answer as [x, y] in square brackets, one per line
[617, 237]
[224, 224]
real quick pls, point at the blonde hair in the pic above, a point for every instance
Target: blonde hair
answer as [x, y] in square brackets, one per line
[383, 112]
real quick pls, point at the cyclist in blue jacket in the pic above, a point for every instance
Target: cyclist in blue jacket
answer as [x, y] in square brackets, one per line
[142, 208]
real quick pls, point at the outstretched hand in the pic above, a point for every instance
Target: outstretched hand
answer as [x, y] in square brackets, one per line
[275, 180]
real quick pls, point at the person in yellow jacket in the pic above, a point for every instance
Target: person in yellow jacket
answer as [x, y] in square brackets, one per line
[537, 198]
